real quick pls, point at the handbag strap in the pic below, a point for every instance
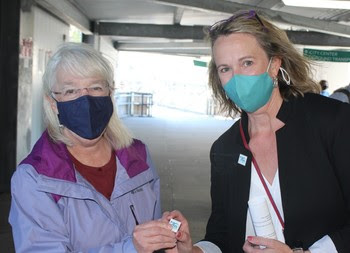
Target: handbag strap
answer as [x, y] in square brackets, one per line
[261, 176]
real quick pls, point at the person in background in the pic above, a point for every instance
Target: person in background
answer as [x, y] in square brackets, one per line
[87, 185]
[324, 88]
[342, 94]
[289, 147]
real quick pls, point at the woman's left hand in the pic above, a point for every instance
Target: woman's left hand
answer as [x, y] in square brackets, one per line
[252, 244]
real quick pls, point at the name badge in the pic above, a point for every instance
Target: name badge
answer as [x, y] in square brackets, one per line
[242, 159]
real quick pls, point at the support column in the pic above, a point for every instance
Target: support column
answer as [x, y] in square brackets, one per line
[9, 52]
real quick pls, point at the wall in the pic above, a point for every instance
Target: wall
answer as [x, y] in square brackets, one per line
[105, 46]
[46, 33]
[336, 73]
[25, 81]
[49, 32]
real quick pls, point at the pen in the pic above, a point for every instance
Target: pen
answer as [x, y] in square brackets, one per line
[132, 208]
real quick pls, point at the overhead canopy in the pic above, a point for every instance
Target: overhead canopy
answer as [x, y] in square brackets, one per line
[176, 26]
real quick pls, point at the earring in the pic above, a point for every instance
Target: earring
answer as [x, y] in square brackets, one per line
[285, 76]
[275, 81]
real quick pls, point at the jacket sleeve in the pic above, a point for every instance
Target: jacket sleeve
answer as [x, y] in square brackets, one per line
[340, 147]
[37, 220]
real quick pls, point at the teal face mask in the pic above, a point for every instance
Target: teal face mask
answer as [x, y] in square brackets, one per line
[250, 92]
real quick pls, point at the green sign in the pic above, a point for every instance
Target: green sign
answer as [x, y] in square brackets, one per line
[325, 55]
[199, 63]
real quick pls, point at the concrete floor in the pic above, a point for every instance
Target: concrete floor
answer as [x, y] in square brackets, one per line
[179, 144]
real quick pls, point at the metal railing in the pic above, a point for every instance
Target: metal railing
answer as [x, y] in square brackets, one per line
[136, 104]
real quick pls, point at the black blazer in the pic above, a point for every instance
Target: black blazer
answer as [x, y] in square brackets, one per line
[314, 173]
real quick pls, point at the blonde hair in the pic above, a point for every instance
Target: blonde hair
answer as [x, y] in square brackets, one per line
[83, 61]
[275, 43]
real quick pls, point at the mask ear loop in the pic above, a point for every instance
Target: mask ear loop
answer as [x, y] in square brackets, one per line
[59, 123]
[268, 66]
[284, 75]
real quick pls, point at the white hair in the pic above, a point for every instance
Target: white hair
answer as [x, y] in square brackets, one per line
[83, 61]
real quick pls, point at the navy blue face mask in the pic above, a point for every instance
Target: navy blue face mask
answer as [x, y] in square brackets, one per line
[87, 116]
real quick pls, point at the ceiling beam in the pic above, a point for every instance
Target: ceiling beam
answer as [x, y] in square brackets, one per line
[205, 5]
[67, 12]
[162, 45]
[317, 39]
[202, 48]
[275, 15]
[178, 48]
[150, 30]
[195, 33]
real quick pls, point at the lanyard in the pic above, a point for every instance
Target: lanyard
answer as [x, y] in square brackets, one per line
[261, 177]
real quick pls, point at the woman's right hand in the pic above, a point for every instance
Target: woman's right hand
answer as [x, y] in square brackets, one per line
[184, 240]
[153, 235]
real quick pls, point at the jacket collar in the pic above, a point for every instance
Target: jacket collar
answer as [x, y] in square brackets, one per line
[52, 159]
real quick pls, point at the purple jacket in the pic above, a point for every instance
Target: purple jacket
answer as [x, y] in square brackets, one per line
[54, 209]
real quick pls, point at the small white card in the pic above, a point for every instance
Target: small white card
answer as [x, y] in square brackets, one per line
[175, 224]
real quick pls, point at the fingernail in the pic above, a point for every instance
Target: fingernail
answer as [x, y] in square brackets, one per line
[178, 235]
[249, 238]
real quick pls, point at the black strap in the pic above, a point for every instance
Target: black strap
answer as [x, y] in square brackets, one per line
[345, 91]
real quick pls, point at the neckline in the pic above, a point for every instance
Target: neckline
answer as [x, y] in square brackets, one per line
[94, 168]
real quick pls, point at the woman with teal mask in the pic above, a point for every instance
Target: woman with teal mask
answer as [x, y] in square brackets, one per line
[289, 148]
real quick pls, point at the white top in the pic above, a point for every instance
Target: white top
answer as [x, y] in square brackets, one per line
[324, 245]
[257, 190]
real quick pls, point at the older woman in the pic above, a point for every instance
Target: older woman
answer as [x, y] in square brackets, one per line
[86, 185]
[290, 147]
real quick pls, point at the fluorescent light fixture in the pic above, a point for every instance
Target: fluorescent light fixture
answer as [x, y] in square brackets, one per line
[330, 4]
